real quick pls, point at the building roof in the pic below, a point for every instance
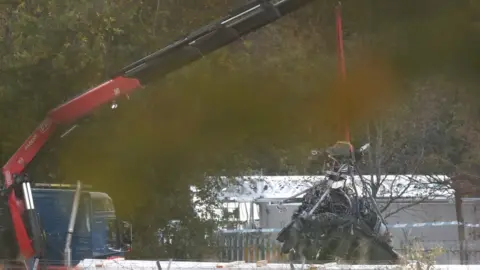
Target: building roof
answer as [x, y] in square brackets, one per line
[273, 188]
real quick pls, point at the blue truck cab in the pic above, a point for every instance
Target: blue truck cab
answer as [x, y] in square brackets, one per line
[97, 232]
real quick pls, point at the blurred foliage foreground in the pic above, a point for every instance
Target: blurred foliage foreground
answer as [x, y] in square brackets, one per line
[260, 104]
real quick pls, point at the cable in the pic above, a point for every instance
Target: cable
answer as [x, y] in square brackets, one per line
[342, 70]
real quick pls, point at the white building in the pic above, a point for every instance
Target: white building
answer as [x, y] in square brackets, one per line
[413, 202]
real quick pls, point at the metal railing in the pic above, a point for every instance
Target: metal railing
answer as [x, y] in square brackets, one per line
[252, 246]
[89, 264]
[249, 247]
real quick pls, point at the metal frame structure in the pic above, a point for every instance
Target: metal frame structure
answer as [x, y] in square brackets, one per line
[327, 215]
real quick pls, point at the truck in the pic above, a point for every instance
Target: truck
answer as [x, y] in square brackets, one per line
[26, 230]
[98, 233]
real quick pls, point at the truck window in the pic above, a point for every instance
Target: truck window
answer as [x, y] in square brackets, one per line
[83, 217]
[102, 205]
[55, 209]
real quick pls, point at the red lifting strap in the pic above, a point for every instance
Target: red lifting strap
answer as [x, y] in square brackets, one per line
[342, 70]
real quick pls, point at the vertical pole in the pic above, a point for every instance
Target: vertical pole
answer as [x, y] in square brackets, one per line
[25, 247]
[342, 70]
[252, 216]
[460, 226]
[36, 262]
[71, 226]
[35, 227]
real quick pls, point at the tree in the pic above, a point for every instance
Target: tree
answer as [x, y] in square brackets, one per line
[444, 127]
[50, 50]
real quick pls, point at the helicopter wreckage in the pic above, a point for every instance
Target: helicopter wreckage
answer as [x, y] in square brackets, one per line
[341, 223]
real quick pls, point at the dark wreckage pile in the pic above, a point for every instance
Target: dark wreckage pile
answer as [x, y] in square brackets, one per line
[341, 223]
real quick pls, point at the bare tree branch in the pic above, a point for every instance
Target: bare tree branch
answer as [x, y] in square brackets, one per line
[405, 207]
[393, 198]
[405, 189]
[398, 187]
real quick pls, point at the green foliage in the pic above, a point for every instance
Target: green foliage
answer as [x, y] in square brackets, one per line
[416, 252]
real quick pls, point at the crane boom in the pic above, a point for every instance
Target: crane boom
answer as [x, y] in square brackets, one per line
[184, 51]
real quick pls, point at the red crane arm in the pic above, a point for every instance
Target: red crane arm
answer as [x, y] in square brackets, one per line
[186, 50]
[65, 113]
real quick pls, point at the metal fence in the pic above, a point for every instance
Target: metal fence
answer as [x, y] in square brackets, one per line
[249, 247]
[90, 264]
[255, 246]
